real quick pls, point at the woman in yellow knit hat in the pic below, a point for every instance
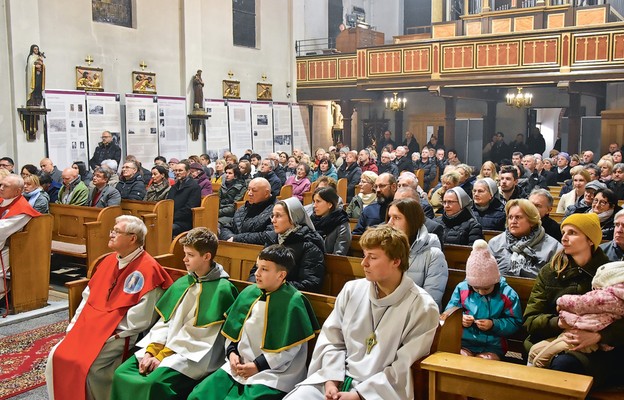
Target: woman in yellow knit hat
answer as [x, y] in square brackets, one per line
[571, 271]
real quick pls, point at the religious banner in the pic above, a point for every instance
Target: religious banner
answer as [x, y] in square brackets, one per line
[301, 127]
[66, 127]
[239, 113]
[103, 114]
[217, 129]
[262, 128]
[172, 137]
[142, 127]
[282, 127]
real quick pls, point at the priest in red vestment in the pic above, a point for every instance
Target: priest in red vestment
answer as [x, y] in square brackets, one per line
[116, 306]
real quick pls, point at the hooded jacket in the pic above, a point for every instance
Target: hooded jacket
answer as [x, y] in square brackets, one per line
[427, 265]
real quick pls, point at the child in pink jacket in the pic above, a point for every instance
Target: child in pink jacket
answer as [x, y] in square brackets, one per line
[592, 311]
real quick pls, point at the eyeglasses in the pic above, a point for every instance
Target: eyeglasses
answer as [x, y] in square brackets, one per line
[115, 232]
[5, 165]
[107, 137]
[381, 186]
[601, 203]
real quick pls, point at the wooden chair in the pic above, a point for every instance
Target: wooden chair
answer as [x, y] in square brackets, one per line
[207, 214]
[158, 217]
[29, 258]
[82, 232]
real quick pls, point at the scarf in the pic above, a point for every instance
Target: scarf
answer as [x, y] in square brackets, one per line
[368, 199]
[523, 255]
[155, 189]
[281, 237]
[326, 224]
[32, 196]
[604, 216]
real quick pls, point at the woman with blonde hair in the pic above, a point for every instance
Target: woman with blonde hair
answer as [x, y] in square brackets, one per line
[524, 247]
[580, 178]
[449, 180]
[488, 170]
[34, 193]
[606, 168]
[365, 197]
[219, 174]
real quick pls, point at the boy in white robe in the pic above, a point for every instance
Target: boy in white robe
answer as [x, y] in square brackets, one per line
[185, 345]
[379, 327]
[267, 328]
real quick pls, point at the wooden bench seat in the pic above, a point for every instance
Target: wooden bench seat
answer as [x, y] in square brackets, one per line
[29, 259]
[158, 218]
[82, 232]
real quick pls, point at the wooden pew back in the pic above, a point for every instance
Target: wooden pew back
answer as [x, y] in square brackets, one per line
[29, 258]
[158, 217]
[456, 255]
[207, 214]
[341, 189]
[307, 196]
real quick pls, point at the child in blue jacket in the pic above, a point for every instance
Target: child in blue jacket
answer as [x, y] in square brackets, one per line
[492, 309]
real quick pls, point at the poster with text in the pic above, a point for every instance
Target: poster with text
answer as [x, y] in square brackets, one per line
[301, 128]
[103, 114]
[239, 113]
[142, 127]
[217, 129]
[67, 127]
[282, 128]
[321, 126]
[261, 128]
[172, 127]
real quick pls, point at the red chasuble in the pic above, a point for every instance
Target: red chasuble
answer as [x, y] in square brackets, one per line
[18, 206]
[112, 293]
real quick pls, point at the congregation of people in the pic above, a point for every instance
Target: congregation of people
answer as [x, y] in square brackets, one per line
[198, 338]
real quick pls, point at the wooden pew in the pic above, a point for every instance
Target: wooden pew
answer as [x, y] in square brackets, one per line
[420, 175]
[207, 214]
[487, 379]
[352, 223]
[237, 258]
[557, 217]
[488, 234]
[216, 187]
[158, 217]
[355, 250]
[307, 196]
[82, 232]
[341, 189]
[29, 258]
[456, 255]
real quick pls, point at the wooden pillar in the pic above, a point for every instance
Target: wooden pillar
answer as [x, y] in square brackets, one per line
[398, 127]
[486, 6]
[347, 110]
[489, 123]
[450, 114]
[574, 123]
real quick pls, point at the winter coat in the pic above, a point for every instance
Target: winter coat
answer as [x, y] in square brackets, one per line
[608, 226]
[493, 218]
[280, 172]
[369, 166]
[274, 181]
[102, 152]
[335, 230]
[307, 246]
[39, 200]
[412, 147]
[563, 175]
[331, 172]
[109, 197]
[502, 306]
[229, 194]
[541, 316]
[352, 173]
[430, 172]
[427, 265]
[618, 188]
[389, 168]
[613, 251]
[186, 195]
[463, 229]
[79, 193]
[372, 215]
[355, 207]
[157, 192]
[552, 228]
[299, 186]
[404, 164]
[204, 184]
[133, 188]
[565, 201]
[544, 251]
[250, 223]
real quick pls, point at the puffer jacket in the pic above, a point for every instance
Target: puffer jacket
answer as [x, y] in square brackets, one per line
[308, 248]
[541, 316]
[133, 188]
[462, 229]
[353, 174]
[250, 223]
[427, 265]
[544, 251]
[502, 306]
[493, 218]
[204, 184]
[229, 194]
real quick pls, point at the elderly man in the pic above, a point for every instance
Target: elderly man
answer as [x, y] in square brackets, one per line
[48, 167]
[402, 160]
[186, 195]
[613, 147]
[534, 179]
[266, 172]
[74, 191]
[102, 195]
[277, 167]
[117, 305]
[352, 172]
[131, 185]
[15, 212]
[408, 179]
[563, 167]
[106, 149]
[543, 201]
[375, 214]
[588, 157]
[615, 248]
[111, 166]
[253, 220]
[387, 166]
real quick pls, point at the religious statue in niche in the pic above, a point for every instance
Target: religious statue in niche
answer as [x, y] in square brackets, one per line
[35, 77]
[338, 122]
[198, 89]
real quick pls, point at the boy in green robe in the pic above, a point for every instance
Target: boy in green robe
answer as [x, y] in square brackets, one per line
[185, 345]
[267, 328]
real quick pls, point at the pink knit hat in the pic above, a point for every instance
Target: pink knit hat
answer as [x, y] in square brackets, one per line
[481, 267]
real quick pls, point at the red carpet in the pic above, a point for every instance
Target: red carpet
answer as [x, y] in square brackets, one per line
[23, 358]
